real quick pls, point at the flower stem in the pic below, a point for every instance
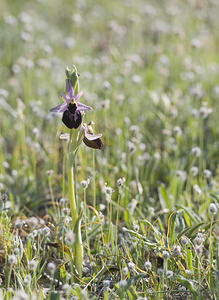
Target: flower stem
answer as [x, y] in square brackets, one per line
[76, 216]
[72, 201]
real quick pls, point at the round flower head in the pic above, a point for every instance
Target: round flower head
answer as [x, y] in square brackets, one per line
[71, 108]
[212, 209]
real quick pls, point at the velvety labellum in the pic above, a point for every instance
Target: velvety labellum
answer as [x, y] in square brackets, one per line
[72, 120]
[95, 144]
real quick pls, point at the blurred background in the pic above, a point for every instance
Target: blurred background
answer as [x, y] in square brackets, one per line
[150, 71]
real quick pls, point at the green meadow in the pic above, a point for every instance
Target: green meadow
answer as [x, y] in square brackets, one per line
[147, 202]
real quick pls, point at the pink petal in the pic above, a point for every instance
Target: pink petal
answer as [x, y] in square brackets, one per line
[59, 108]
[83, 107]
[78, 96]
[65, 97]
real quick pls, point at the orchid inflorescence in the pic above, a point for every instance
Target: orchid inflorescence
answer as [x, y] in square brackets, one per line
[72, 116]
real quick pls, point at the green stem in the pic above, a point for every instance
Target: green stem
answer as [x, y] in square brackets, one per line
[71, 174]
[94, 180]
[72, 201]
[78, 245]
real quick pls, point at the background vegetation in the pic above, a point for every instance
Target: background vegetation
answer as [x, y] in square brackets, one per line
[150, 226]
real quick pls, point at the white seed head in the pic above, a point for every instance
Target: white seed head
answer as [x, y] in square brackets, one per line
[65, 287]
[33, 265]
[181, 174]
[177, 131]
[207, 173]
[51, 267]
[148, 265]
[136, 227]
[32, 222]
[131, 266]
[125, 271]
[122, 283]
[66, 211]
[108, 190]
[84, 184]
[70, 237]
[106, 283]
[27, 279]
[194, 171]
[131, 147]
[184, 240]
[197, 189]
[160, 271]
[199, 239]
[120, 182]
[196, 151]
[176, 251]
[20, 295]
[62, 201]
[212, 209]
[165, 254]
[169, 274]
[12, 259]
[107, 85]
[102, 206]
[188, 272]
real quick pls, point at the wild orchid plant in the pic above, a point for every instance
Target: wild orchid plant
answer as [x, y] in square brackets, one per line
[73, 112]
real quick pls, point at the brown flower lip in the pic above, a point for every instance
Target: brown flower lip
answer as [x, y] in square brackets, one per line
[91, 140]
[95, 144]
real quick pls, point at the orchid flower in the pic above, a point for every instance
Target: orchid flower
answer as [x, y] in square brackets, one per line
[90, 139]
[71, 108]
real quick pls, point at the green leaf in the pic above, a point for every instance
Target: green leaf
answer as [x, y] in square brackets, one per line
[164, 200]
